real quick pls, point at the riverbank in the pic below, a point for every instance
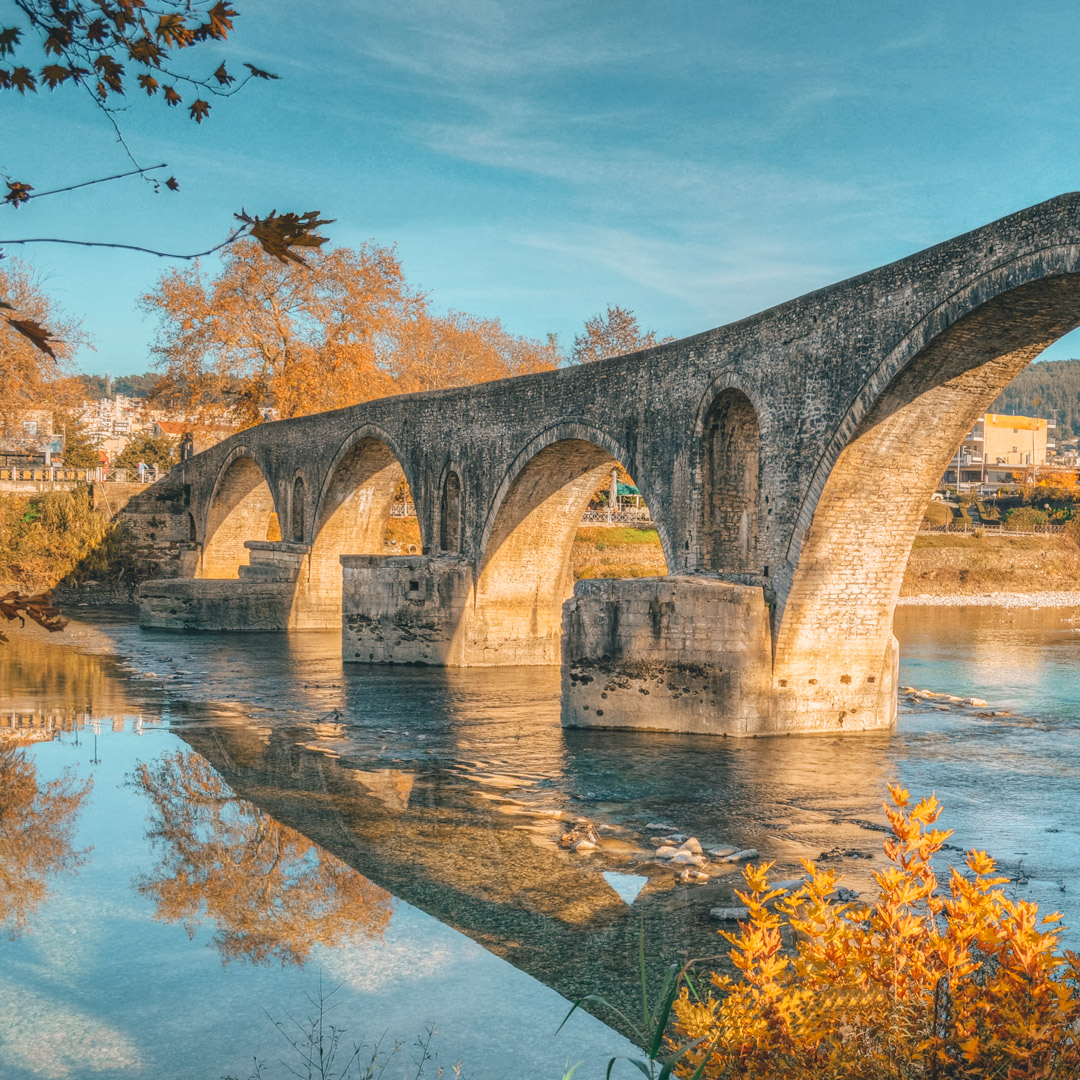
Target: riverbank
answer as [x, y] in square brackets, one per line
[1010, 600]
[970, 569]
[944, 568]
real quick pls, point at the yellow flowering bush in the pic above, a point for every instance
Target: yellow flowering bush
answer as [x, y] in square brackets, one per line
[926, 983]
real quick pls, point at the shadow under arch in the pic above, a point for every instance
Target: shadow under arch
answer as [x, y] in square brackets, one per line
[240, 509]
[855, 530]
[350, 518]
[729, 506]
[523, 574]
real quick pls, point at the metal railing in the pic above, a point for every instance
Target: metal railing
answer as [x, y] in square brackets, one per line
[56, 474]
[636, 516]
[995, 529]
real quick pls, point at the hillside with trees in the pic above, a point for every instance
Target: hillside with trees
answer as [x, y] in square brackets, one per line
[1050, 389]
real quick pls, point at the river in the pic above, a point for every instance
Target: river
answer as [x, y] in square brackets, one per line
[264, 825]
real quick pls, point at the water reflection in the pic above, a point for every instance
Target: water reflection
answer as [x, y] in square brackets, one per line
[451, 788]
[270, 892]
[37, 825]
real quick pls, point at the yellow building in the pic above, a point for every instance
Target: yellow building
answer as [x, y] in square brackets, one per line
[999, 450]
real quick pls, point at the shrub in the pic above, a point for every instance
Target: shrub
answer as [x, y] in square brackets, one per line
[917, 985]
[938, 515]
[58, 535]
[1025, 519]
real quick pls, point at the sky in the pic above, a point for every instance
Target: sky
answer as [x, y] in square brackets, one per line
[694, 160]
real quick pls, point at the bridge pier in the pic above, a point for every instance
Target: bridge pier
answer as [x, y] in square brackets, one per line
[261, 597]
[694, 654]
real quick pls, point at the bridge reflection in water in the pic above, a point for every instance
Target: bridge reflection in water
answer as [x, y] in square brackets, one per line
[450, 789]
[310, 798]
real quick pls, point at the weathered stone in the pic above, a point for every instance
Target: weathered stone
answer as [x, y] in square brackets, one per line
[769, 451]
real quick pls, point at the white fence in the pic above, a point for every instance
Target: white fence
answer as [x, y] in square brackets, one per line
[994, 529]
[57, 474]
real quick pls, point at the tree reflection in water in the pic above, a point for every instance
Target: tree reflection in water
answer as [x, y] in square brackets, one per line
[37, 824]
[271, 892]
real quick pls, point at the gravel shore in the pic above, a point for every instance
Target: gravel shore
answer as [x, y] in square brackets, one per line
[998, 599]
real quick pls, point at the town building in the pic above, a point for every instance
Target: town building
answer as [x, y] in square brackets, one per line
[999, 450]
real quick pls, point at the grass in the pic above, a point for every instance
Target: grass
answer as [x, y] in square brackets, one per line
[945, 564]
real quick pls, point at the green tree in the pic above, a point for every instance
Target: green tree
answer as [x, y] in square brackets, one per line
[613, 332]
[150, 450]
[79, 451]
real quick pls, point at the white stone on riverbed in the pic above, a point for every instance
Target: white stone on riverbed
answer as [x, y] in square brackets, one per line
[1059, 599]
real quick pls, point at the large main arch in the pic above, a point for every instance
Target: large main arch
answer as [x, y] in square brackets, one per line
[834, 653]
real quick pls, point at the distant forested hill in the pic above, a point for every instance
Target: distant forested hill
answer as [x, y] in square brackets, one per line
[1051, 389]
[132, 385]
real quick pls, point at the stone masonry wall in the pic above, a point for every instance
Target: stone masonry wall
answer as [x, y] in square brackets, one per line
[686, 654]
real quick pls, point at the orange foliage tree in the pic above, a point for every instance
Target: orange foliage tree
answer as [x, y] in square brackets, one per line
[32, 376]
[347, 327]
[271, 893]
[264, 334]
[37, 824]
[922, 983]
[430, 352]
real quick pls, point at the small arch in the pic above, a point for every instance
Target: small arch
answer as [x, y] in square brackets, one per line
[731, 484]
[297, 507]
[193, 532]
[450, 513]
[240, 509]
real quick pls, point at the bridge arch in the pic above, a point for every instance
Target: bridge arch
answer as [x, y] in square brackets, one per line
[240, 508]
[349, 518]
[298, 511]
[855, 528]
[451, 510]
[733, 431]
[523, 574]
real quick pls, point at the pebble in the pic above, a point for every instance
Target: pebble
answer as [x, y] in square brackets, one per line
[692, 845]
[722, 852]
[730, 914]
[739, 856]
[690, 876]
[688, 857]
[666, 851]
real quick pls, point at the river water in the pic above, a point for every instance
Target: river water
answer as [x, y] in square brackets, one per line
[221, 830]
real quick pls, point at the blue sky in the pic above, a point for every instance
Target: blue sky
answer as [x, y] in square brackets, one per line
[695, 161]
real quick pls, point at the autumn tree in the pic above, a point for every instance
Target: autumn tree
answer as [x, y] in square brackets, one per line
[431, 352]
[79, 451]
[32, 376]
[611, 333]
[157, 450]
[37, 826]
[263, 336]
[271, 893]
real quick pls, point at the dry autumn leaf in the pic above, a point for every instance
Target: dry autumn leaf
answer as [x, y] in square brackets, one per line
[279, 233]
[15, 605]
[34, 332]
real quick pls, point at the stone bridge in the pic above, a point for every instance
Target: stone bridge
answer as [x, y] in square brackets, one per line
[787, 460]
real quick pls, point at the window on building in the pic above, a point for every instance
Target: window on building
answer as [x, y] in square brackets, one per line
[29, 427]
